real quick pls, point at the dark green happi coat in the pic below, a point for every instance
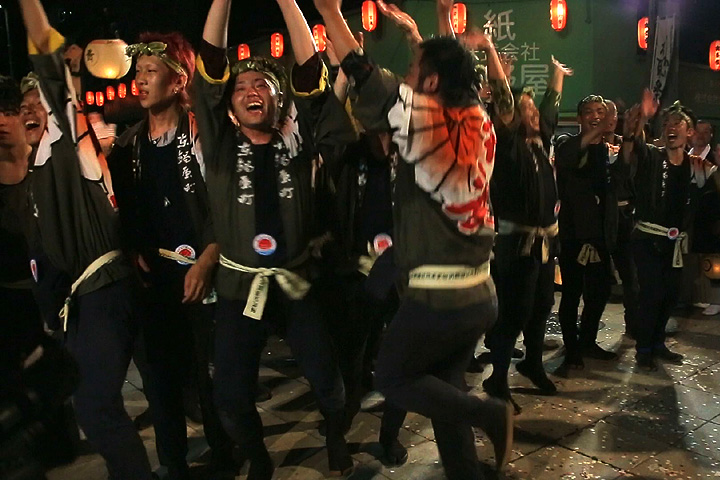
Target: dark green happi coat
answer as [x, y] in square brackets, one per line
[313, 119]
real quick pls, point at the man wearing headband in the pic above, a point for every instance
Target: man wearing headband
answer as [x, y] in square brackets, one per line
[20, 315]
[443, 235]
[158, 168]
[524, 198]
[667, 180]
[588, 230]
[32, 112]
[259, 140]
[77, 219]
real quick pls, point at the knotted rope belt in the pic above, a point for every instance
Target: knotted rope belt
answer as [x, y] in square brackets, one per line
[453, 277]
[680, 239]
[291, 283]
[506, 227]
[96, 265]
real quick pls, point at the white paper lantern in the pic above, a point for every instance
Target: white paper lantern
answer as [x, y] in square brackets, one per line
[107, 59]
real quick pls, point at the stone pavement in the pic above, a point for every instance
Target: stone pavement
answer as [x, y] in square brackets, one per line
[607, 421]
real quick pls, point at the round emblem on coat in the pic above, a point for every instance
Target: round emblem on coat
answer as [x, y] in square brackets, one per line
[264, 244]
[673, 233]
[34, 269]
[557, 208]
[382, 242]
[185, 251]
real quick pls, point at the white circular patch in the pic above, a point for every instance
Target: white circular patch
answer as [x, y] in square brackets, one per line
[185, 251]
[382, 242]
[264, 244]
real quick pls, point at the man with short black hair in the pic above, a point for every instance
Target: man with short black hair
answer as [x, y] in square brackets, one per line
[588, 229]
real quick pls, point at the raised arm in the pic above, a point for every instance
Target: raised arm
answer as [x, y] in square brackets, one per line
[300, 34]
[216, 25]
[337, 27]
[37, 25]
[404, 22]
[444, 13]
[557, 79]
[499, 86]
[634, 124]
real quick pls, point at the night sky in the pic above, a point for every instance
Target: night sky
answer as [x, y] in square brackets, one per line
[84, 20]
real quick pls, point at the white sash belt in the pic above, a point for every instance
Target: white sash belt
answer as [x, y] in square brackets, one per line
[453, 277]
[291, 283]
[680, 239]
[96, 265]
[506, 227]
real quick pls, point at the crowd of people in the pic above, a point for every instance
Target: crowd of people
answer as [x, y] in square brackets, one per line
[382, 225]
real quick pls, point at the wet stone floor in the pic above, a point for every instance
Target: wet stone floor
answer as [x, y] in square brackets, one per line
[607, 421]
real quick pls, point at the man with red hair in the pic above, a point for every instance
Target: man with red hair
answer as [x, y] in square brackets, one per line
[158, 170]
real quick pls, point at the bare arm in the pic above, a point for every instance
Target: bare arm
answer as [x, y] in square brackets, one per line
[340, 87]
[404, 22]
[337, 27]
[444, 12]
[560, 71]
[216, 25]
[499, 85]
[300, 34]
[37, 25]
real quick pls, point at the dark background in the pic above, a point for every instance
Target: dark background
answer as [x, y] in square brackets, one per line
[84, 20]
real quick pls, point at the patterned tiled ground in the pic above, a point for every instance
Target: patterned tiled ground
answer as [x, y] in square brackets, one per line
[608, 421]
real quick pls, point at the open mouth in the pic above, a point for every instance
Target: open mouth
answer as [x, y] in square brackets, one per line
[672, 137]
[254, 107]
[32, 125]
[594, 123]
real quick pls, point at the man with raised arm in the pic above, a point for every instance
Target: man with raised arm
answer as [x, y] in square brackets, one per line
[443, 235]
[667, 180]
[77, 220]
[260, 133]
[525, 203]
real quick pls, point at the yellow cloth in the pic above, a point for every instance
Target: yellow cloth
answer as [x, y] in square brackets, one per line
[200, 67]
[448, 277]
[506, 227]
[55, 41]
[291, 283]
[96, 265]
[170, 255]
[681, 244]
[588, 254]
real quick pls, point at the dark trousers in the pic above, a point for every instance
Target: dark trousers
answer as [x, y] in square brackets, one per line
[625, 265]
[525, 289]
[353, 318]
[592, 282]
[178, 341]
[659, 291]
[239, 343]
[421, 368]
[101, 334]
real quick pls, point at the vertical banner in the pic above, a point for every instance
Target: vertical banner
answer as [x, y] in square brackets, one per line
[663, 54]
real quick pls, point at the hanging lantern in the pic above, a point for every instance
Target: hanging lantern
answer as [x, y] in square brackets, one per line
[99, 99]
[90, 98]
[107, 59]
[643, 32]
[134, 89]
[277, 45]
[459, 18]
[715, 55]
[122, 90]
[369, 15]
[558, 14]
[320, 37]
[243, 51]
[110, 93]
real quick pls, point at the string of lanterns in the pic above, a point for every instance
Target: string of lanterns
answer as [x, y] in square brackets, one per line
[99, 98]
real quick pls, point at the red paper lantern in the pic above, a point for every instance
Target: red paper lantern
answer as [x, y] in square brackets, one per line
[243, 51]
[320, 37]
[122, 90]
[369, 15]
[277, 45]
[715, 55]
[558, 14]
[134, 89]
[90, 98]
[110, 93]
[643, 32]
[99, 99]
[459, 18]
